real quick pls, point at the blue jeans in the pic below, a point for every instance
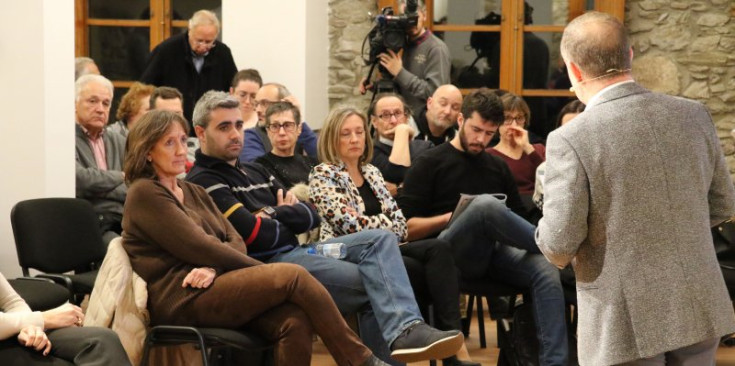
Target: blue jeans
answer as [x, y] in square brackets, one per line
[371, 280]
[490, 241]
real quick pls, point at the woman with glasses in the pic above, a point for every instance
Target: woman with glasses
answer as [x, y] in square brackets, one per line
[283, 126]
[195, 263]
[351, 195]
[521, 156]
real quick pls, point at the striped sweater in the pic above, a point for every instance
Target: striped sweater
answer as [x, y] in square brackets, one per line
[239, 191]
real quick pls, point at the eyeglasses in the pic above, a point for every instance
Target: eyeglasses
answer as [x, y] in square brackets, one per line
[287, 126]
[208, 44]
[519, 120]
[386, 116]
[264, 103]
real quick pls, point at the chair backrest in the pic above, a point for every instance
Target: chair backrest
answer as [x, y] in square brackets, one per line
[56, 235]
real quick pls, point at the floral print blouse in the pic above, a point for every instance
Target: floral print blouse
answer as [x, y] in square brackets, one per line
[332, 191]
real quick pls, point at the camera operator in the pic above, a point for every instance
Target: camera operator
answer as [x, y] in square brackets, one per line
[421, 67]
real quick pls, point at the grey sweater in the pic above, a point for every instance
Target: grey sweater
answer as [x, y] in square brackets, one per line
[426, 66]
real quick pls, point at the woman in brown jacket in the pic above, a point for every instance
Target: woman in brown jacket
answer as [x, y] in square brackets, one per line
[195, 263]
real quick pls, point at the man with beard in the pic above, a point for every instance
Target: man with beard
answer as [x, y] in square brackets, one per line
[437, 120]
[488, 240]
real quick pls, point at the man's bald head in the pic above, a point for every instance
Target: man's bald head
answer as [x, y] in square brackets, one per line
[598, 44]
[442, 108]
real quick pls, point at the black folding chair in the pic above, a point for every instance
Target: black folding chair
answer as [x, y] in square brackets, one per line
[56, 236]
[208, 340]
[39, 293]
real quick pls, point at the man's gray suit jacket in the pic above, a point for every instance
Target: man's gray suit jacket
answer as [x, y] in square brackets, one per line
[632, 187]
[105, 189]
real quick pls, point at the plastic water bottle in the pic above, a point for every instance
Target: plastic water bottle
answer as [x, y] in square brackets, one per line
[332, 250]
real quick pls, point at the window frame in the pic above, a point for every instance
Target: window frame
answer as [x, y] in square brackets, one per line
[160, 25]
[512, 30]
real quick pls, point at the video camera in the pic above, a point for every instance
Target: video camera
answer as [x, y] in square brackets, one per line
[389, 33]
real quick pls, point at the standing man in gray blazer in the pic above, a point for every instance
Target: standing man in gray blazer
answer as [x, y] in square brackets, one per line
[99, 154]
[632, 189]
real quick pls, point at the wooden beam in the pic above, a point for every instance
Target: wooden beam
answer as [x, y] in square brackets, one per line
[615, 8]
[157, 22]
[385, 3]
[466, 28]
[119, 22]
[81, 34]
[576, 8]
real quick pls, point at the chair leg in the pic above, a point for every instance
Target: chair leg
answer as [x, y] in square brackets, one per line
[468, 320]
[146, 352]
[481, 322]
[203, 348]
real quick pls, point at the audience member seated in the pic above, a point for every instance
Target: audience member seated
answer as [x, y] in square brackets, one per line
[521, 156]
[52, 337]
[84, 66]
[170, 99]
[133, 105]
[283, 126]
[437, 121]
[256, 138]
[489, 241]
[394, 147]
[371, 279]
[567, 113]
[179, 243]
[99, 154]
[245, 86]
[351, 196]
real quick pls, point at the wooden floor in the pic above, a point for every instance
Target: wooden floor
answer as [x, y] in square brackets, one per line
[489, 356]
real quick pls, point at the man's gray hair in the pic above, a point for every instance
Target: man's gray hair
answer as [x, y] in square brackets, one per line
[204, 17]
[210, 101]
[89, 78]
[80, 66]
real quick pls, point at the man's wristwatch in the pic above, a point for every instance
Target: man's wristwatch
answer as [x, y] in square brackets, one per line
[270, 211]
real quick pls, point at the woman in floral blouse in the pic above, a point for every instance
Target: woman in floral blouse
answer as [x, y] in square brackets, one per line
[351, 195]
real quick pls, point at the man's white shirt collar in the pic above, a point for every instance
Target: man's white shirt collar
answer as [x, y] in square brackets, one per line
[597, 95]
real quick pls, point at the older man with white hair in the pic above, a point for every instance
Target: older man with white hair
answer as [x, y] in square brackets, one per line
[99, 154]
[193, 62]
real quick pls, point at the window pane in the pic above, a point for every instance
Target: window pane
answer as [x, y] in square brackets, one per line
[463, 11]
[128, 9]
[543, 67]
[555, 12]
[120, 52]
[119, 92]
[184, 9]
[475, 58]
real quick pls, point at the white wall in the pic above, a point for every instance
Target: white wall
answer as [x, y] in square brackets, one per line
[287, 42]
[36, 100]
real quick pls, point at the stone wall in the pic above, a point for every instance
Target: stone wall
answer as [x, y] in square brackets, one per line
[687, 48]
[684, 48]
[349, 23]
